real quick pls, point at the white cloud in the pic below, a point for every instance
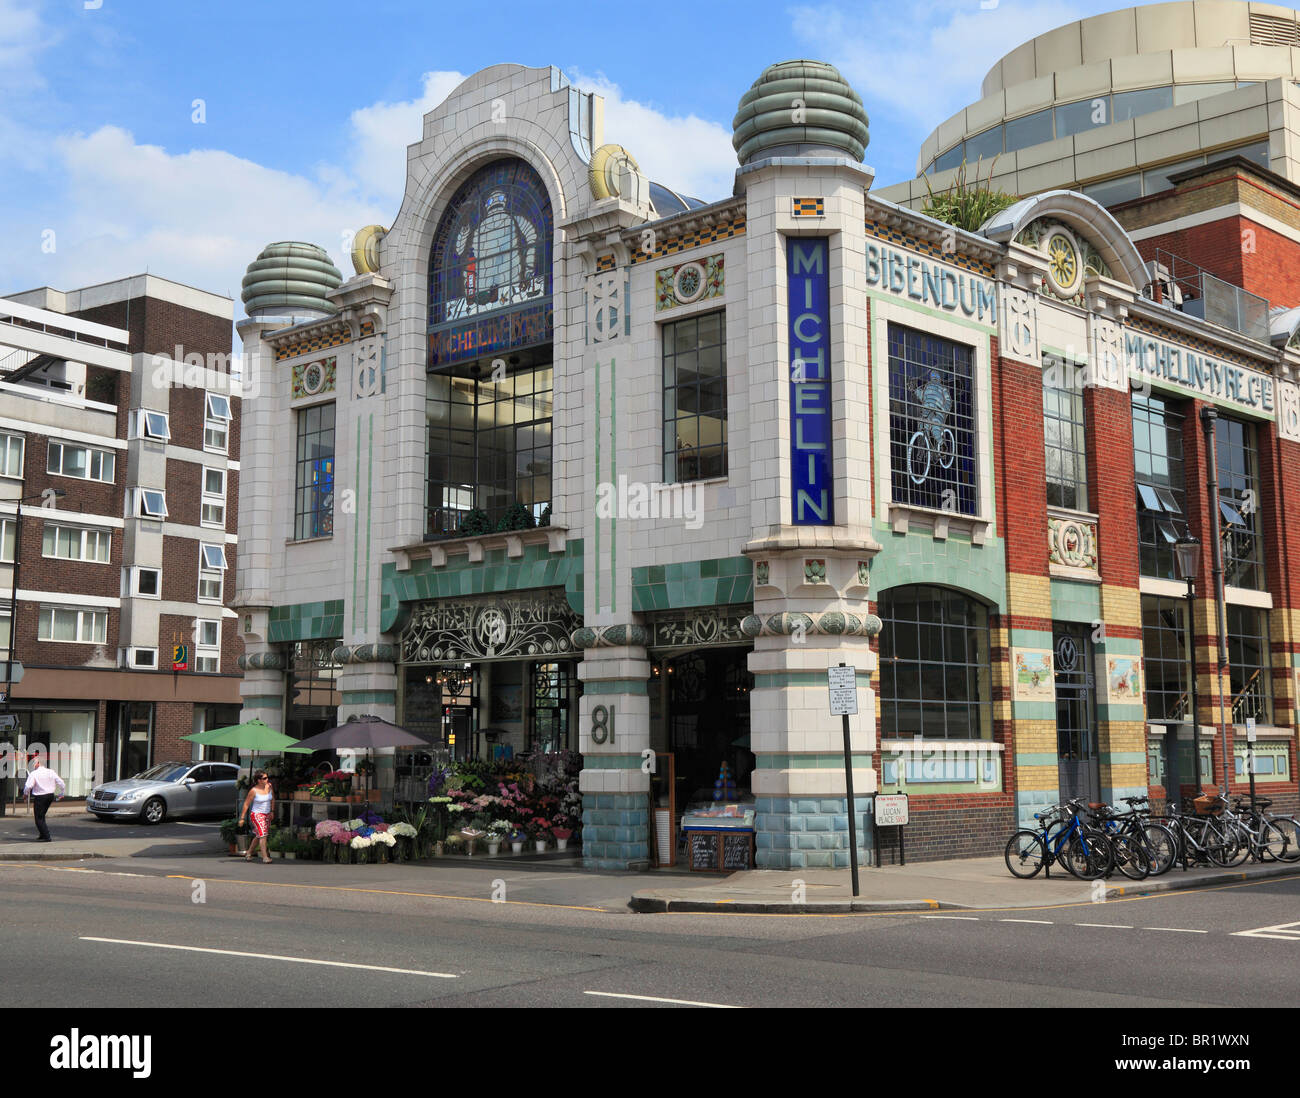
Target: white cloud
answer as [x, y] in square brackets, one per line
[925, 60]
[22, 38]
[690, 155]
[382, 132]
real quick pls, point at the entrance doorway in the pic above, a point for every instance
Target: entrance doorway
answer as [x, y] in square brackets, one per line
[1076, 713]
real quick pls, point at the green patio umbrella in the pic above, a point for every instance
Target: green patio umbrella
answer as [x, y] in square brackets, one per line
[254, 735]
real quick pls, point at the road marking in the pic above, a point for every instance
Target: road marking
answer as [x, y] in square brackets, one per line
[963, 918]
[1039, 922]
[1175, 930]
[656, 999]
[1107, 926]
[275, 957]
[1283, 932]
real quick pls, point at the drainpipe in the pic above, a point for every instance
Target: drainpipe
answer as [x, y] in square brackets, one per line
[1208, 419]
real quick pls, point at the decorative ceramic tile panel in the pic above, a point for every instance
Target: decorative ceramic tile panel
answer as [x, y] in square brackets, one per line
[314, 378]
[688, 283]
[808, 207]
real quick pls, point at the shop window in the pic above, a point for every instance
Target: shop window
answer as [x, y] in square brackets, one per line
[1249, 665]
[1158, 468]
[82, 462]
[312, 681]
[73, 543]
[1064, 437]
[1164, 658]
[56, 623]
[11, 455]
[932, 421]
[314, 507]
[1272, 760]
[695, 398]
[935, 670]
[1238, 465]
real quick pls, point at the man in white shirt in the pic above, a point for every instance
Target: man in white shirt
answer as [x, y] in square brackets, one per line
[41, 783]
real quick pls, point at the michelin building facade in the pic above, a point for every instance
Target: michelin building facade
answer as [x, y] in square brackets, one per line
[575, 462]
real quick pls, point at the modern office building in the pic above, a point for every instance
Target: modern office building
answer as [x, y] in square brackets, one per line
[571, 462]
[126, 459]
[1113, 105]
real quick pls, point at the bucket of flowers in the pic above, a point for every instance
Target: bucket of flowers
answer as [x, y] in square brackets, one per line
[517, 837]
[562, 834]
[405, 834]
[498, 832]
[360, 845]
[452, 844]
[470, 833]
[383, 843]
[540, 830]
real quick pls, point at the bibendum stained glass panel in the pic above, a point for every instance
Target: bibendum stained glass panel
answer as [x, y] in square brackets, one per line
[490, 267]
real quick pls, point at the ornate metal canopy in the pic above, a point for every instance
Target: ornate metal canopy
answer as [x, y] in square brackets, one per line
[495, 628]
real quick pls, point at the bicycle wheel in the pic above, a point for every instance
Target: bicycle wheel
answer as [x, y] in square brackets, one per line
[1291, 832]
[1244, 844]
[1088, 856]
[918, 457]
[1221, 846]
[1162, 848]
[1131, 857]
[1270, 842]
[1025, 854]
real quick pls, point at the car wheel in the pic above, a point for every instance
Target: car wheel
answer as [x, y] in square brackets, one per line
[155, 811]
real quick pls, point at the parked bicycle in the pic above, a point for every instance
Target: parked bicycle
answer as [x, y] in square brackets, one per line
[1203, 836]
[1063, 837]
[1263, 836]
[1143, 847]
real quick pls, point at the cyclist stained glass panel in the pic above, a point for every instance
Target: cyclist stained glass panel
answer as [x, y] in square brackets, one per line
[931, 421]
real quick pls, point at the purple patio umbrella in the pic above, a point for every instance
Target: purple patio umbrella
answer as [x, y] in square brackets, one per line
[363, 732]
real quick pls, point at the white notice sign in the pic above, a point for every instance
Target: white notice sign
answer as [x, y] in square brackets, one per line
[891, 810]
[843, 682]
[1250, 729]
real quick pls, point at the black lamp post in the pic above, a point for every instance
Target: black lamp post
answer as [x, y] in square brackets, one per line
[1187, 551]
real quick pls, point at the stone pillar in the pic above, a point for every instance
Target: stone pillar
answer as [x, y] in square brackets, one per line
[613, 736]
[368, 687]
[262, 689]
[800, 629]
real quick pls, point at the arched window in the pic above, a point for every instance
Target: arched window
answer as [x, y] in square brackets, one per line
[490, 267]
[935, 672]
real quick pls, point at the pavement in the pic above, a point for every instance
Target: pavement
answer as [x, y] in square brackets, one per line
[958, 884]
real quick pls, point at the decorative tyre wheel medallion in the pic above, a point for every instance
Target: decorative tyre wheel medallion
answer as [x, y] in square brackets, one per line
[1064, 262]
[688, 284]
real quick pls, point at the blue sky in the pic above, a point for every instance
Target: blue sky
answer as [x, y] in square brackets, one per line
[307, 107]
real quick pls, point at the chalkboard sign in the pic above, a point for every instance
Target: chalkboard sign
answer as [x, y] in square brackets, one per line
[704, 851]
[737, 851]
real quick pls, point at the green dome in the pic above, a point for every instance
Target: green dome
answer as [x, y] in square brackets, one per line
[830, 118]
[290, 278]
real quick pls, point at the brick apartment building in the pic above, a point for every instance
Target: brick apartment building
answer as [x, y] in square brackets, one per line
[139, 553]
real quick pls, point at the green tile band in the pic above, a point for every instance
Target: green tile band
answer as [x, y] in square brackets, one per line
[615, 686]
[369, 697]
[262, 701]
[772, 680]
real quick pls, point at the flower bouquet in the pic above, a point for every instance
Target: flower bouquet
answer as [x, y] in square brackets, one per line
[540, 830]
[562, 837]
[469, 834]
[405, 835]
[517, 838]
[384, 844]
[360, 845]
[453, 844]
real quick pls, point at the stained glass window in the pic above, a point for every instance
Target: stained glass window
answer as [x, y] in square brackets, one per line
[490, 269]
[314, 509]
[931, 421]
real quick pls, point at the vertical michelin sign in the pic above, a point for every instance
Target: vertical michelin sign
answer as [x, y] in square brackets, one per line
[812, 493]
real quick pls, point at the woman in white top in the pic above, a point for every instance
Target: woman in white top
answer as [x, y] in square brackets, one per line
[260, 797]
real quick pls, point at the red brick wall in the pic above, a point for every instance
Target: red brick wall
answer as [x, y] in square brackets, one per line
[1237, 250]
[1021, 464]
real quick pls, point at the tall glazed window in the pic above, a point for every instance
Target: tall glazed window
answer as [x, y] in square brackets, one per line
[314, 496]
[1064, 442]
[695, 398]
[1158, 469]
[1238, 465]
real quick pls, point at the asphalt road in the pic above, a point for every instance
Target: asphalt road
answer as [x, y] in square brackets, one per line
[81, 825]
[153, 934]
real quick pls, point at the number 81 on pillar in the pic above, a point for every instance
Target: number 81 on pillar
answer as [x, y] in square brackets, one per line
[602, 724]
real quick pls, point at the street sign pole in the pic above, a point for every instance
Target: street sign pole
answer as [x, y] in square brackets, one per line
[1250, 758]
[844, 700]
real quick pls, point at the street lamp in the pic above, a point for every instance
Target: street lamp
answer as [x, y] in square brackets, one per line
[1187, 552]
[49, 493]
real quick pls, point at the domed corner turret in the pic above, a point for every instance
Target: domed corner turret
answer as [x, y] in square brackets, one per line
[800, 108]
[290, 279]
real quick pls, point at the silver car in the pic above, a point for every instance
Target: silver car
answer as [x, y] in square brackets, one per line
[168, 789]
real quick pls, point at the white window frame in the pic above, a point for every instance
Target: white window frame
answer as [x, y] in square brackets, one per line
[208, 574]
[5, 622]
[83, 531]
[5, 524]
[212, 499]
[91, 453]
[204, 651]
[215, 422]
[47, 613]
[134, 588]
[147, 429]
[206, 559]
[132, 655]
[141, 511]
[5, 439]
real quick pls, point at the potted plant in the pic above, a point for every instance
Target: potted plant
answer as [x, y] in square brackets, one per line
[541, 832]
[517, 841]
[230, 832]
[562, 837]
[475, 523]
[452, 844]
[494, 840]
[360, 846]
